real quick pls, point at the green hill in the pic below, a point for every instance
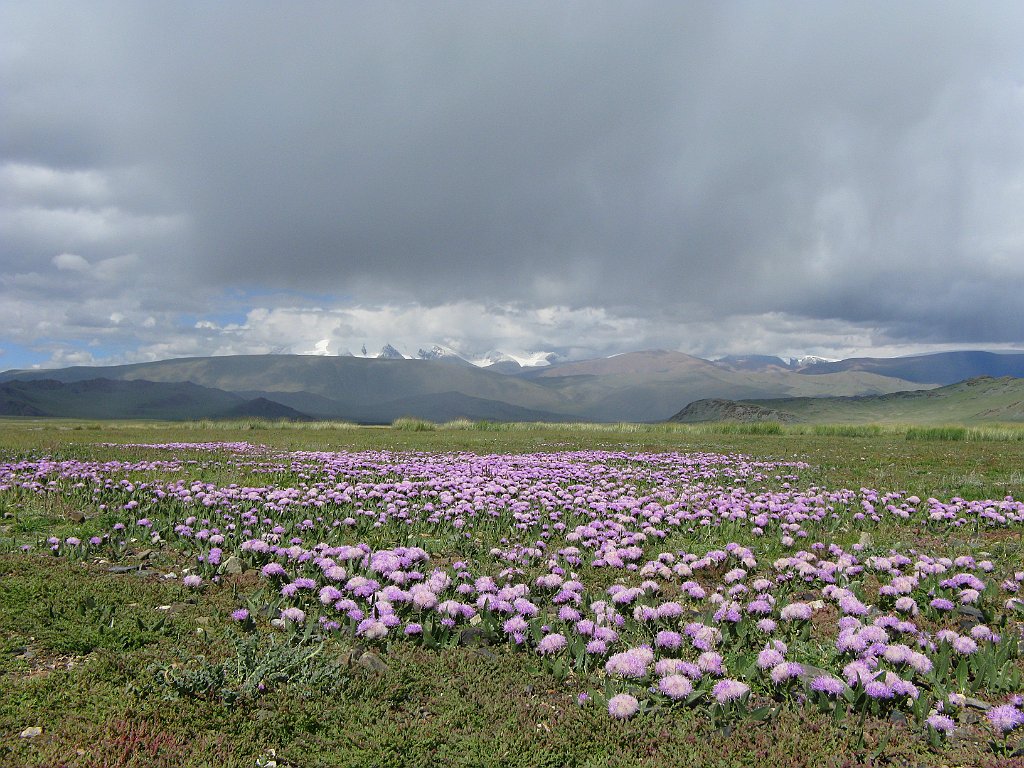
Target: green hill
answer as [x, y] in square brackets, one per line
[976, 401]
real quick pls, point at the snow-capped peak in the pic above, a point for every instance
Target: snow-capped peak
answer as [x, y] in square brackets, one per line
[387, 352]
[436, 352]
[526, 360]
[799, 362]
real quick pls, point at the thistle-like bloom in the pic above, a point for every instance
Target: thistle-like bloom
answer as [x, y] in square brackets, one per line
[293, 615]
[552, 643]
[632, 663]
[623, 706]
[965, 646]
[729, 690]
[876, 689]
[769, 657]
[273, 570]
[796, 611]
[942, 723]
[675, 686]
[371, 629]
[920, 663]
[668, 639]
[1005, 717]
[785, 671]
[829, 685]
[192, 581]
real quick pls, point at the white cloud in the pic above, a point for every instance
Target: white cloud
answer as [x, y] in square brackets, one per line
[70, 262]
[24, 181]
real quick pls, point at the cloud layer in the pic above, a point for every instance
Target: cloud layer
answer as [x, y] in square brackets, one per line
[199, 178]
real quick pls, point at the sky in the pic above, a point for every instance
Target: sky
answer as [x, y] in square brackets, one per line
[538, 178]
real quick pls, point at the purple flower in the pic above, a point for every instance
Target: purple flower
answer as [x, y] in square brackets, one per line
[942, 723]
[675, 686]
[965, 646]
[371, 629]
[632, 663]
[273, 570]
[769, 657]
[293, 615]
[552, 643]
[796, 611]
[876, 689]
[1005, 717]
[787, 670]
[729, 690]
[828, 685]
[623, 706]
[192, 581]
[241, 615]
[668, 639]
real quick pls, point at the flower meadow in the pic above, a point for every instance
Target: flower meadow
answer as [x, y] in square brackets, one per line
[642, 582]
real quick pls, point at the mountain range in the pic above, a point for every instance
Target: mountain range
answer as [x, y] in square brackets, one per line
[439, 385]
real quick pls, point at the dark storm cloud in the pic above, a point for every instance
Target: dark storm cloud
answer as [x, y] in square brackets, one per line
[674, 163]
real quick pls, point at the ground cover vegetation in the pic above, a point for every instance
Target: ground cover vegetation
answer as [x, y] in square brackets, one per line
[474, 594]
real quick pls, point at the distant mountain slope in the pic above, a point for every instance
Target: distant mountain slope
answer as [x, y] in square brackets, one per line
[939, 368]
[109, 399]
[646, 386]
[728, 410]
[638, 386]
[979, 400]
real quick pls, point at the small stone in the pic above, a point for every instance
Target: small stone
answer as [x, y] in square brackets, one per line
[76, 516]
[233, 565]
[31, 732]
[371, 662]
[122, 568]
[472, 636]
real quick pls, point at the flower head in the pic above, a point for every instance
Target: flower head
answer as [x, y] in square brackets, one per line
[729, 690]
[623, 706]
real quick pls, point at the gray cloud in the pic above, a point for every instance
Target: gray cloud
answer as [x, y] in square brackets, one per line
[793, 175]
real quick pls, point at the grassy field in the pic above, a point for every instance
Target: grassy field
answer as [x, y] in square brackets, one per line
[118, 665]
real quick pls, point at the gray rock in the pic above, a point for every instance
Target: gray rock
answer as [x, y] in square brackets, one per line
[31, 732]
[123, 568]
[977, 704]
[233, 565]
[371, 662]
[897, 717]
[473, 637]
